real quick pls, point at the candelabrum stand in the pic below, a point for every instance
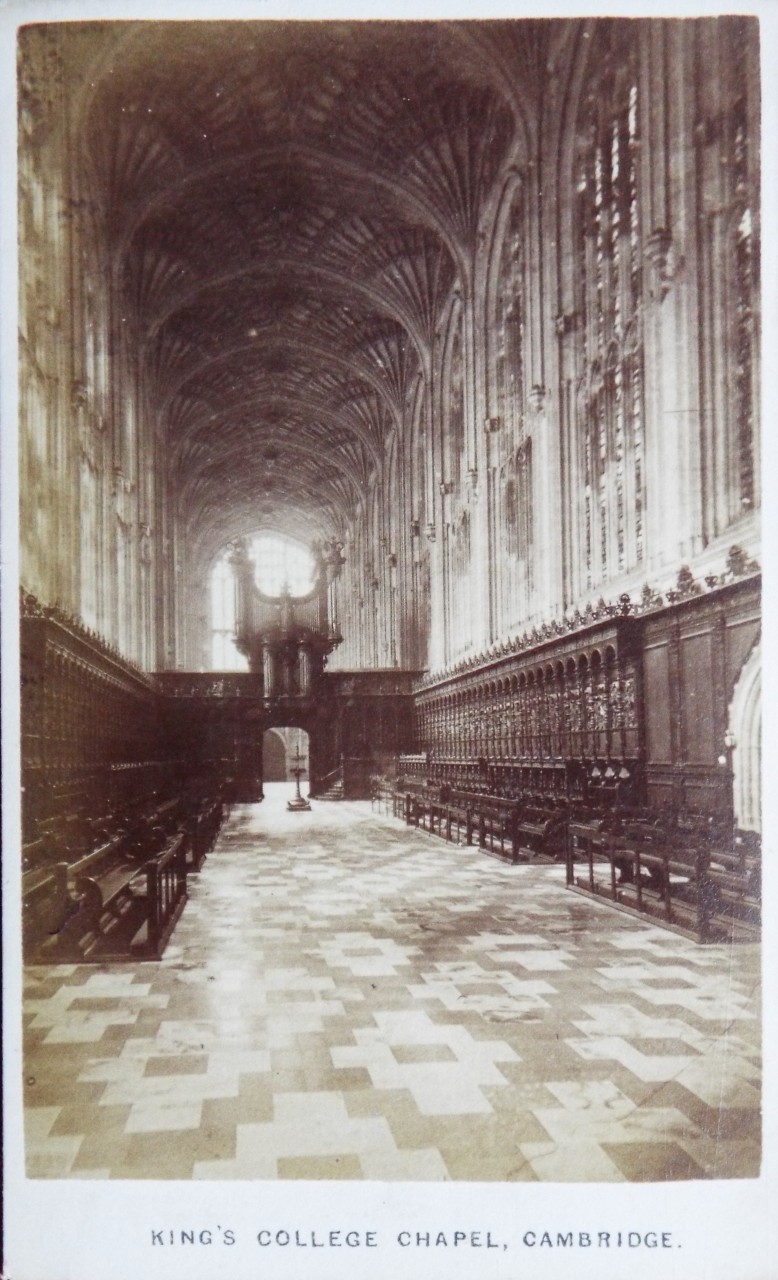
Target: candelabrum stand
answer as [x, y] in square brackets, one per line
[298, 802]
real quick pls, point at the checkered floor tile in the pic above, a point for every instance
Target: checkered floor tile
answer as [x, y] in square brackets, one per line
[347, 998]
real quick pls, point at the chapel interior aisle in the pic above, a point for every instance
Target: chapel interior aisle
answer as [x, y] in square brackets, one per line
[347, 998]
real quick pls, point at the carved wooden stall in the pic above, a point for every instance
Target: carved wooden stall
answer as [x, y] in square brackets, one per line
[114, 813]
[556, 716]
[90, 733]
[606, 738]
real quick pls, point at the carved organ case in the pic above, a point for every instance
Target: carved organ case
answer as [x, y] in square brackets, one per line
[286, 638]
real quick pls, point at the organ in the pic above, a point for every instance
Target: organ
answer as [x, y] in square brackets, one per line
[286, 638]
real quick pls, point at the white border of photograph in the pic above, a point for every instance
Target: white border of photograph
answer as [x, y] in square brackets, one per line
[82, 1230]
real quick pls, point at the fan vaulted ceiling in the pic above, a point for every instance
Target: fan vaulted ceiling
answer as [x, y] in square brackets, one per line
[289, 206]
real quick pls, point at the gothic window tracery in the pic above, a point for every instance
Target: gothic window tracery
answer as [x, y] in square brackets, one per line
[510, 325]
[744, 263]
[517, 503]
[456, 410]
[728, 159]
[609, 310]
[456, 542]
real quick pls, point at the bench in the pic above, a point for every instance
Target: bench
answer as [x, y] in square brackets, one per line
[165, 898]
[653, 864]
[666, 881]
[119, 905]
[736, 887]
[203, 825]
[493, 822]
[508, 827]
[123, 896]
[46, 903]
[542, 828]
[105, 885]
[465, 817]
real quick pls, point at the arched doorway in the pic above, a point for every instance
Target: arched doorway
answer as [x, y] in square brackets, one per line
[280, 746]
[745, 734]
[273, 756]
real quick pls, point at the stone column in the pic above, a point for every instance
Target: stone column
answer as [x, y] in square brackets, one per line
[268, 670]
[669, 211]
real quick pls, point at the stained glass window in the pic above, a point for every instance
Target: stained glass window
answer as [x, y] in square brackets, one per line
[610, 348]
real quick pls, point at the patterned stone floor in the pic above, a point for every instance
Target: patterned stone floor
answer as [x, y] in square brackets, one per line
[345, 998]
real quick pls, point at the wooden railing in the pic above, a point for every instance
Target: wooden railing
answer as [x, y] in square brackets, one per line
[688, 871]
[330, 779]
[693, 878]
[517, 830]
[122, 897]
[165, 894]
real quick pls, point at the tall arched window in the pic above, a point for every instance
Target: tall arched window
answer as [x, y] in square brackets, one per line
[455, 402]
[224, 655]
[423, 517]
[744, 336]
[510, 324]
[609, 282]
[516, 443]
[282, 566]
[727, 159]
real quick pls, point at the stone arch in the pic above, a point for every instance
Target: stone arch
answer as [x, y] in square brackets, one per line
[273, 756]
[279, 745]
[744, 724]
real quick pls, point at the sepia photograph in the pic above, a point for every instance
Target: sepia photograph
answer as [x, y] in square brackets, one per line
[383, 756]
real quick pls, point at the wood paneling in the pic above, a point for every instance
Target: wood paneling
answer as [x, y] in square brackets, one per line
[692, 655]
[656, 674]
[696, 671]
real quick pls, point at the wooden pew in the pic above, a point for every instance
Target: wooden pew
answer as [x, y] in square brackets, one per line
[121, 906]
[541, 829]
[667, 866]
[123, 895]
[509, 827]
[203, 825]
[735, 875]
[46, 904]
[491, 822]
[165, 898]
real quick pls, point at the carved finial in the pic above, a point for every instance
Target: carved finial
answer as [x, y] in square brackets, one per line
[332, 558]
[737, 562]
[686, 584]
